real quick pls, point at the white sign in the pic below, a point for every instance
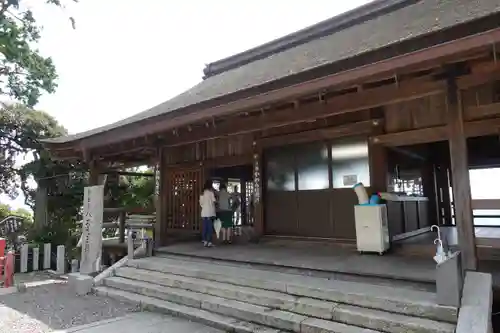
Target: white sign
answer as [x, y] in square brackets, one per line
[350, 180]
[93, 209]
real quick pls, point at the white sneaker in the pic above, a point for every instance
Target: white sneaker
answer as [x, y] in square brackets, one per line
[209, 245]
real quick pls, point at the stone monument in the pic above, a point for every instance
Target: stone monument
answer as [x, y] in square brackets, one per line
[93, 209]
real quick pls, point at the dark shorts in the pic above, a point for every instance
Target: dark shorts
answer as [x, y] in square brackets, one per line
[226, 217]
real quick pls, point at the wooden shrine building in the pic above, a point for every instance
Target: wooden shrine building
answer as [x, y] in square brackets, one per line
[402, 95]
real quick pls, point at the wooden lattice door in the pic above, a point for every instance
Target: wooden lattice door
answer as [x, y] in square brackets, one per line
[183, 189]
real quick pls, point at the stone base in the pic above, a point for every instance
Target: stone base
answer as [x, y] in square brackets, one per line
[82, 284]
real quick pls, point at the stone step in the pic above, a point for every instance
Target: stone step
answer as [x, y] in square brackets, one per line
[301, 305]
[277, 317]
[414, 284]
[195, 314]
[396, 300]
[226, 314]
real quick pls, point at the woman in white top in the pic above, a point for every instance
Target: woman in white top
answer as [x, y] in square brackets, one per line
[207, 203]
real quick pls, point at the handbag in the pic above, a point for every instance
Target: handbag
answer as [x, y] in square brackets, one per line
[217, 227]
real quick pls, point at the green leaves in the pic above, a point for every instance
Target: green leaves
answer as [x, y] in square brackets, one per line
[24, 72]
[21, 130]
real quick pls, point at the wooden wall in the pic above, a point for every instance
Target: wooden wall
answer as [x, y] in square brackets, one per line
[429, 111]
[482, 101]
[211, 149]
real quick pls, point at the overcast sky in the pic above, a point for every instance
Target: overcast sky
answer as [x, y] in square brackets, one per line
[126, 56]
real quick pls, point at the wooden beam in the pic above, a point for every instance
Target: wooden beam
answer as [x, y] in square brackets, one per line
[219, 162]
[487, 204]
[413, 137]
[460, 177]
[482, 127]
[308, 112]
[482, 111]
[363, 127]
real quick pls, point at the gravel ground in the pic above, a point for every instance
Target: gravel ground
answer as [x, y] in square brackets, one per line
[53, 307]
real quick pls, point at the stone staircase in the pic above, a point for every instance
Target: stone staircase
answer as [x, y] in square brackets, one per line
[243, 299]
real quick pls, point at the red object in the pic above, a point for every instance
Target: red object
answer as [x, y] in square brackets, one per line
[2, 263]
[3, 244]
[9, 270]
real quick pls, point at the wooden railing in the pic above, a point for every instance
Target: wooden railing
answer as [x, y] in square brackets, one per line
[484, 204]
[126, 220]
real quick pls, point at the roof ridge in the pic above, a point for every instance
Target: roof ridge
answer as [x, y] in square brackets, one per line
[318, 30]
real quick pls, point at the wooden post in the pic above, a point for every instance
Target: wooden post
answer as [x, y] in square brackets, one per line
[377, 154]
[460, 176]
[378, 167]
[443, 194]
[257, 195]
[243, 203]
[121, 227]
[93, 173]
[159, 237]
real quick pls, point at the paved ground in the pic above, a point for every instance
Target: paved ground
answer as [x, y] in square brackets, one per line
[143, 322]
[52, 307]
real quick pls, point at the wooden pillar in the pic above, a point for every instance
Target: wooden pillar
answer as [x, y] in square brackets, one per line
[430, 192]
[460, 176]
[94, 172]
[378, 167]
[379, 172]
[160, 227]
[243, 202]
[443, 194]
[257, 195]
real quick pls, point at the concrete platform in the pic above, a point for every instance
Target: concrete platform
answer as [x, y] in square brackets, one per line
[322, 258]
[144, 322]
[314, 256]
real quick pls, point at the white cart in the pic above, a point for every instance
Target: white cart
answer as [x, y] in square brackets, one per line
[372, 230]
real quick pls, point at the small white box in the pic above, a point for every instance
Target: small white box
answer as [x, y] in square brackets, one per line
[372, 230]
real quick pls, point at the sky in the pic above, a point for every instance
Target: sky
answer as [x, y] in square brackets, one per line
[126, 56]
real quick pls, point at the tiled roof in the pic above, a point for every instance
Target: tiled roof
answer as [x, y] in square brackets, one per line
[416, 19]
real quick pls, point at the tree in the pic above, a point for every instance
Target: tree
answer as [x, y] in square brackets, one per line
[139, 193]
[21, 130]
[6, 211]
[24, 72]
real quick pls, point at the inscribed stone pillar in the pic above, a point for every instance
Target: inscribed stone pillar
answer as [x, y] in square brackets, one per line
[92, 229]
